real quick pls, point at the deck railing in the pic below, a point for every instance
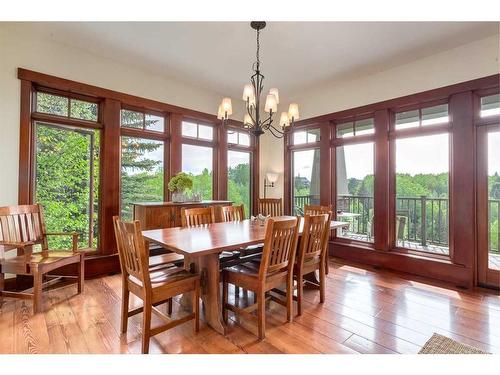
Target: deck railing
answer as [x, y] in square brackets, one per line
[426, 219]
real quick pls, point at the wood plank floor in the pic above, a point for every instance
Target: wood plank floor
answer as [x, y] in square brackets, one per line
[366, 311]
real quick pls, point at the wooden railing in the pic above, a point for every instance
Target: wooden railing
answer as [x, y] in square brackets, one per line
[427, 219]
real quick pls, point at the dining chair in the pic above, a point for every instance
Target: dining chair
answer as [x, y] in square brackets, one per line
[270, 206]
[153, 287]
[311, 209]
[312, 254]
[274, 269]
[232, 213]
[22, 228]
[193, 217]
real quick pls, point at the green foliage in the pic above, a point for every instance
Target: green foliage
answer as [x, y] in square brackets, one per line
[238, 185]
[202, 183]
[180, 182]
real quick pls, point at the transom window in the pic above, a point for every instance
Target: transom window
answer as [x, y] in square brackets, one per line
[354, 128]
[141, 120]
[306, 136]
[66, 107]
[428, 116]
[490, 105]
[198, 131]
[238, 138]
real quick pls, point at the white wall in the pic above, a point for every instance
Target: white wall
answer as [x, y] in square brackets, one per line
[30, 52]
[464, 63]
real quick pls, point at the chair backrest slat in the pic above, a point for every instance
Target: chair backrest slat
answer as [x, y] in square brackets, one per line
[20, 224]
[279, 246]
[270, 206]
[132, 250]
[314, 239]
[194, 217]
[232, 213]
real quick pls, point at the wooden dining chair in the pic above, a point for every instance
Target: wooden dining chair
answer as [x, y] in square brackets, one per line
[312, 254]
[21, 228]
[194, 217]
[232, 213]
[153, 287]
[274, 269]
[310, 209]
[270, 206]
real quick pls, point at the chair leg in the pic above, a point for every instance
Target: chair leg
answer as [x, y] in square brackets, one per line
[261, 314]
[170, 306]
[37, 290]
[2, 286]
[322, 282]
[300, 292]
[125, 298]
[196, 306]
[327, 266]
[146, 326]
[81, 274]
[225, 287]
[289, 299]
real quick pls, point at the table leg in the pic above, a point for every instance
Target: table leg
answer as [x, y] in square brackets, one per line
[209, 268]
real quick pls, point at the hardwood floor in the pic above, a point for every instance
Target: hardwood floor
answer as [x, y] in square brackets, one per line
[366, 311]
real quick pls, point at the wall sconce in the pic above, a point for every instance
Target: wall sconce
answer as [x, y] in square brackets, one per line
[269, 181]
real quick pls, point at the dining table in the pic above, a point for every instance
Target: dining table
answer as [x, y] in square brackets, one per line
[202, 247]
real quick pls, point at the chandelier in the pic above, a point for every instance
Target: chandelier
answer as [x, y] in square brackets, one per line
[251, 97]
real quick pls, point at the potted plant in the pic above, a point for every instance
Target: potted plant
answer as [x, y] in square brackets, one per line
[178, 186]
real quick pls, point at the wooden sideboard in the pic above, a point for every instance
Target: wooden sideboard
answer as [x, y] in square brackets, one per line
[157, 215]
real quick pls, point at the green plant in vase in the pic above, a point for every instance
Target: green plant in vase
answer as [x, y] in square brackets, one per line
[178, 186]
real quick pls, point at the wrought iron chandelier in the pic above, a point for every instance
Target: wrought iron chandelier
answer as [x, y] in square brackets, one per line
[251, 96]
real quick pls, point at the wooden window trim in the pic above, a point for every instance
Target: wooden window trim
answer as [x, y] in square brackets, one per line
[460, 267]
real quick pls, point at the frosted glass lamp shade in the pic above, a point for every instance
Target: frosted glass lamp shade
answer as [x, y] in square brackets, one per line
[293, 111]
[227, 107]
[220, 112]
[271, 104]
[284, 121]
[247, 121]
[274, 91]
[248, 93]
[272, 177]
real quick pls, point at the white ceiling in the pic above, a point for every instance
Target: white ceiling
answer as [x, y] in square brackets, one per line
[295, 56]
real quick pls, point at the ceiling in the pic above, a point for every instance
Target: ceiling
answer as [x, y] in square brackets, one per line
[218, 56]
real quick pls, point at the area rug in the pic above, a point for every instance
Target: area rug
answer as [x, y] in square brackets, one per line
[439, 344]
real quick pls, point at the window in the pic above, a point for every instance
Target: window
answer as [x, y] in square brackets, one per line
[239, 178]
[355, 183]
[66, 107]
[198, 162]
[306, 179]
[422, 117]
[141, 120]
[490, 105]
[306, 136]
[199, 131]
[142, 172]
[494, 200]
[67, 181]
[354, 128]
[422, 189]
[238, 138]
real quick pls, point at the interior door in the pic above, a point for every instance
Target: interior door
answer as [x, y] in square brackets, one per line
[488, 189]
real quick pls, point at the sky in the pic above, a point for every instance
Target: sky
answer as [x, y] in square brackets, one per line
[493, 153]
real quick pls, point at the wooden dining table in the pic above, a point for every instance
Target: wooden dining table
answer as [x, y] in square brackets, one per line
[202, 247]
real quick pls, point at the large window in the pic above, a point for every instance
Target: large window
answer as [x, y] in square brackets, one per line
[494, 200]
[239, 178]
[67, 180]
[198, 162]
[306, 179]
[355, 183]
[422, 193]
